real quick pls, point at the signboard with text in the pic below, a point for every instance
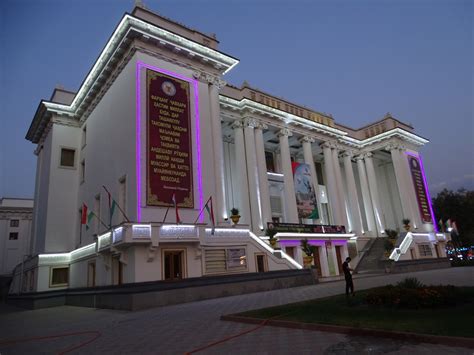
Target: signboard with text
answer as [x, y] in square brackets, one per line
[169, 146]
[306, 228]
[420, 189]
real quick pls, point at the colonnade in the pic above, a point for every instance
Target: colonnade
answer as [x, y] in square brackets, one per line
[345, 206]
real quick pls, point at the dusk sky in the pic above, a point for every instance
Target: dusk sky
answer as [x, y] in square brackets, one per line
[354, 59]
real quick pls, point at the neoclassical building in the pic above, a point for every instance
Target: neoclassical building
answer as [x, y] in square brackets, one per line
[154, 124]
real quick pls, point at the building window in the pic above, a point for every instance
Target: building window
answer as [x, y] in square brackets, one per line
[425, 250]
[84, 136]
[59, 276]
[67, 157]
[83, 170]
[269, 159]
[13, 236]
[14, 222]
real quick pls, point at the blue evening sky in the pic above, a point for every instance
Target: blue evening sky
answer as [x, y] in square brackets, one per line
[354, 59]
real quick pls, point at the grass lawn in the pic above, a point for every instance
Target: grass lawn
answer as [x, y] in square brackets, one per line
[337, 310]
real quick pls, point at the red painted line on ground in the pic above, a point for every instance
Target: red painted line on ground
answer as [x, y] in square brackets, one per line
[24, 340]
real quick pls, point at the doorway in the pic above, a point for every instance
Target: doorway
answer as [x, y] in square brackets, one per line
[261, 262]
[173, 265]
[317, 262]
[91, 274]
[117, 271]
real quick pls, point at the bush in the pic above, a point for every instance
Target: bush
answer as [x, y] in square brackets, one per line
[411, 293]
[410, 282]
[462, 262]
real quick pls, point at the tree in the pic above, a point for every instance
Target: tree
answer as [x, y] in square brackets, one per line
[457, 206]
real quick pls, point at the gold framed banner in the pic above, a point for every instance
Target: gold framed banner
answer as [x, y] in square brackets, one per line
[169, 145]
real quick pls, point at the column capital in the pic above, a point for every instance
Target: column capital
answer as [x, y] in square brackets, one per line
[250, 122]
[307, 139]
[219, 83]
[394, 146]
[359, 157]
[368, 155]
[284, 132]
[348, 153]
[328, 144]
[210, 79]
[261, 125]
[237, 124]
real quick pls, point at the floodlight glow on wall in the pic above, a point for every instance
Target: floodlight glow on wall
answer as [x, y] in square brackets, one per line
[140, 65]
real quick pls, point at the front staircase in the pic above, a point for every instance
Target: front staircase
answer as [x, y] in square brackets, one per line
[372, 260]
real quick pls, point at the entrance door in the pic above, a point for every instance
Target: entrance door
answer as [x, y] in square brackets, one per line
[173, 265]
[339, 259]
[91, 274]
[261, 262]
[437, 250]
[412, 253]
[117, 271]
[317, 261]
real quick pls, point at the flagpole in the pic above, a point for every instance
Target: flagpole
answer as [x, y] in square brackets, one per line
[166, 214]
[202, 209]
[116, 203]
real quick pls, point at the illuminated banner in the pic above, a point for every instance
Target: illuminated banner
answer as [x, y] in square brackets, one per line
[306, 228]
[420, 189]
[305, 196]
[169, 154]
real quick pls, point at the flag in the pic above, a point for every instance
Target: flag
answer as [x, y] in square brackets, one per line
[173, 199]
[86, 217]
[90, 215]
[84, 214]
[210, 211]
[112, 205]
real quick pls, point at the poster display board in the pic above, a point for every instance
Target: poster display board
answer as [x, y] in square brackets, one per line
[420, 188]
[169, 146]
[305, 193]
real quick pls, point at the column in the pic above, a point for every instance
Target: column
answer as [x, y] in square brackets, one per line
[332, 250]
[331, 184]
[216, 127]
[401, 182]
[323, 258]
[374, 191]
[356, 217]
[364, 186]
[241, 176]
[308, 159]
[340, 188]
[252, 174]
[290, 197]
[262, 175]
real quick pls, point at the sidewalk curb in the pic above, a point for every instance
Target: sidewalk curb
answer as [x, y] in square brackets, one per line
[422, 338]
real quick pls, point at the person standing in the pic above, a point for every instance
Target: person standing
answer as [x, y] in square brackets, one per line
[348, 276]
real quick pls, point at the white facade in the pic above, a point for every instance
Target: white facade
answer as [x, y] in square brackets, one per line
[243, 143]
[15, 232]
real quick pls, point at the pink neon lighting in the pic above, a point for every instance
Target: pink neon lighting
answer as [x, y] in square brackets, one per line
[319, 242]
[195, 83]
[427, 191]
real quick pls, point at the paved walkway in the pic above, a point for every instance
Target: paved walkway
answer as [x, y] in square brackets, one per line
[182, 328]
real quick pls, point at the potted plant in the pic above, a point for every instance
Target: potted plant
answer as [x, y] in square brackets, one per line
[309, 250]
[234, 215]
[406, 224]
[270, 232]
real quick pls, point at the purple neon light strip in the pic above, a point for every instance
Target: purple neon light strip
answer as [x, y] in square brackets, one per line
[138, 143]
[312, 241]
[195, 83]
[427, 191]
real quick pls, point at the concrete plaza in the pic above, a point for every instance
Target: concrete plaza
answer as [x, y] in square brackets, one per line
[186, 327]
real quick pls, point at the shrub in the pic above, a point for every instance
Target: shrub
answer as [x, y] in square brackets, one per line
[410, 282]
